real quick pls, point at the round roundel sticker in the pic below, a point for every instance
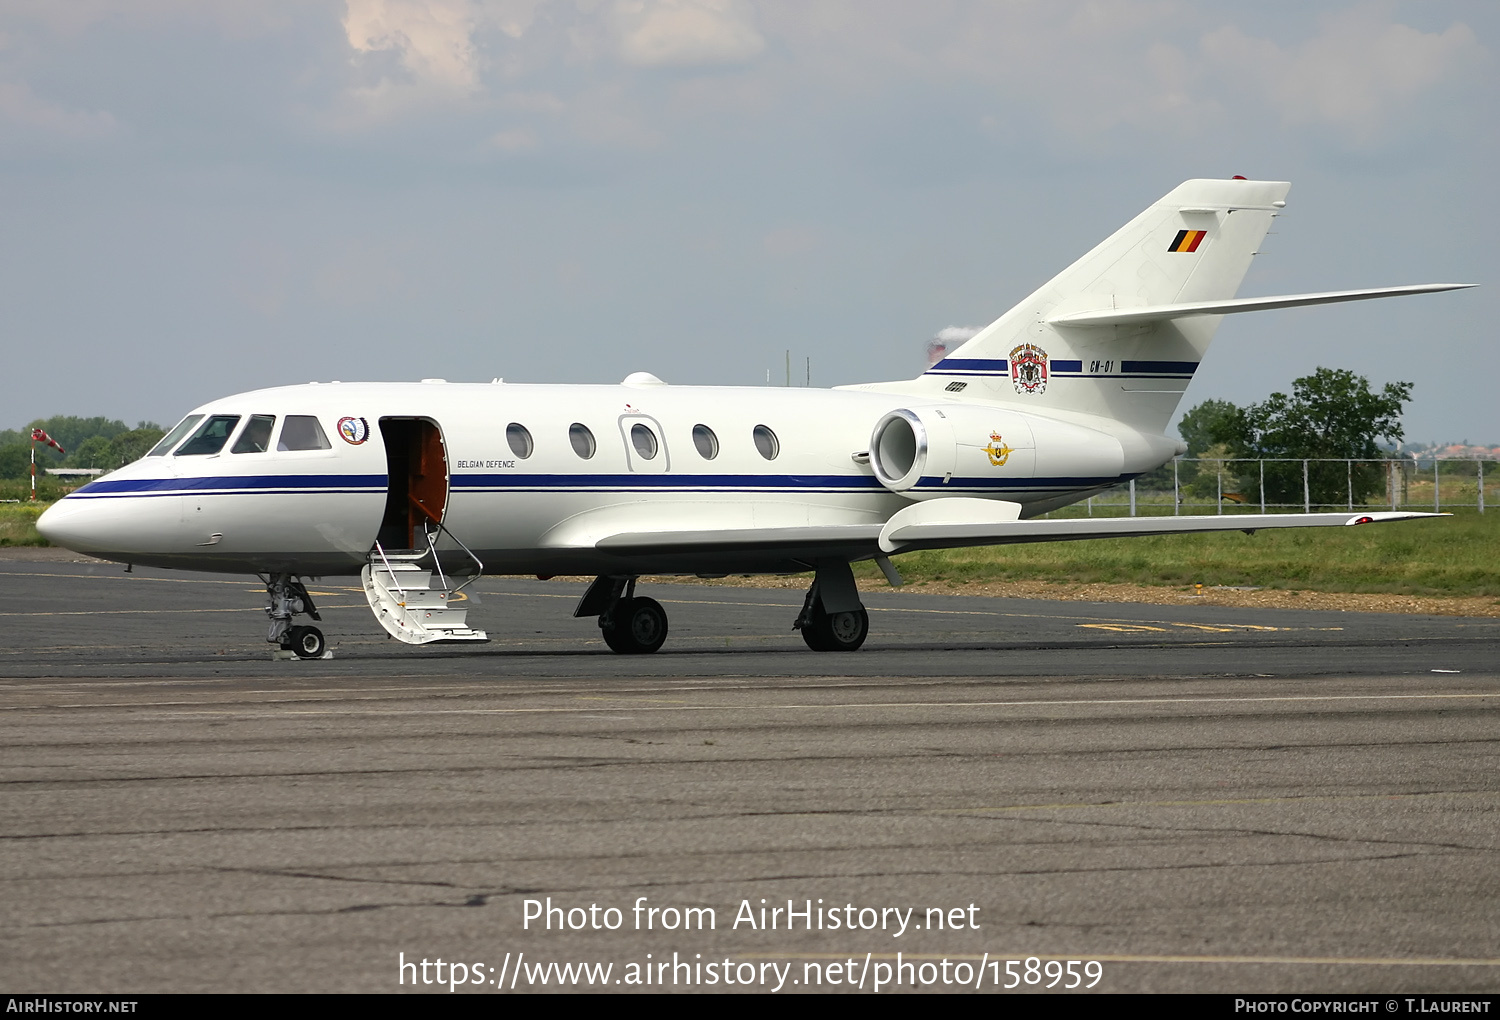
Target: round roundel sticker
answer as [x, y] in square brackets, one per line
[354, 430]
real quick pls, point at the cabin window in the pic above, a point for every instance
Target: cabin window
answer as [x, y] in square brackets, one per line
[644, 441]
[582, 440]
[766, 442]
[706, 442]
[519, 438]
[302, 432]
[174, 437]
[211, 436]
[257, 435]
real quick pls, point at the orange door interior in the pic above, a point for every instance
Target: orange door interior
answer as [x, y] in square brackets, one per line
[417, 466]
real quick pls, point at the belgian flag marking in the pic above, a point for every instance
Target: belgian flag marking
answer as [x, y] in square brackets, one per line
[1187, 240]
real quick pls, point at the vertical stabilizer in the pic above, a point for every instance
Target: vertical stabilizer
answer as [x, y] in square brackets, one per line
[1195, 244]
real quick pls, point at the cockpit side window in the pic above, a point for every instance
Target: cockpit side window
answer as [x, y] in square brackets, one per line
[257, 435]
[174, 437]
[302, 432]
[210, 437]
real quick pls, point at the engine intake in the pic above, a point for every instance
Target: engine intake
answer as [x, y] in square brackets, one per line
[899, 449]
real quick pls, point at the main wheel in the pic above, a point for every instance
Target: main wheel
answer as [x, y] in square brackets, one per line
[637, 627]
[307, 642]
[836, 632]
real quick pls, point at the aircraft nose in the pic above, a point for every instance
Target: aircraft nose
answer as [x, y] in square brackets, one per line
[68, 523]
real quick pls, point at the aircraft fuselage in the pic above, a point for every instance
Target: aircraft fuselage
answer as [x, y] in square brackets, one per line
[531, 477]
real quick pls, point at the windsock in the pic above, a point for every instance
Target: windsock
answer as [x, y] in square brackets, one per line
[40, 436]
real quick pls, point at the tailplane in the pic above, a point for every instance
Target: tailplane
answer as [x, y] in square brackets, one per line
[1194, 245]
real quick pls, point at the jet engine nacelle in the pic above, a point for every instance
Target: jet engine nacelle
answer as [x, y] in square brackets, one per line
[921, 451]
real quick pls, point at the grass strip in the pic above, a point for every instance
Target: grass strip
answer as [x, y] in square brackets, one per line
[1457, 555]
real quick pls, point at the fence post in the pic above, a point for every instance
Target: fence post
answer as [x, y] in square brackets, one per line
[1132, 497]
[1262, 486]
[1091, 506]
[1437, 497]
[1349, 464]
[1219, 476]
[1177, 494]
[1481, 485]
[1390, 479]
[1306, 497]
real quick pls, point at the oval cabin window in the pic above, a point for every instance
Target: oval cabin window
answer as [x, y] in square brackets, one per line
[644, 441]
[706, 442]
[766, 443]
[582, 440]
[519, 439]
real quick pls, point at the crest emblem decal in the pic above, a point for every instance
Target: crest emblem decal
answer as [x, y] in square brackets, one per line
[354, 431]
[998, 451]
[1028, 369]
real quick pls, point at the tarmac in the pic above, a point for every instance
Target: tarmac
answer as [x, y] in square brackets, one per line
[1177, 798]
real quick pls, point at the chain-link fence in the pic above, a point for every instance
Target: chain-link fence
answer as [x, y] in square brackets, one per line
[1204, 485]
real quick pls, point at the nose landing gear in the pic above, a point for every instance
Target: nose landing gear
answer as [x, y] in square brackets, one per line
[287, 597]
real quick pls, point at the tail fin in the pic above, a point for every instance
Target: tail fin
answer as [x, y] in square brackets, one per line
[1195, 244]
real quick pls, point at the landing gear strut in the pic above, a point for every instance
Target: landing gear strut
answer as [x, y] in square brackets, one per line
[630, 625]
[832, 618]
[287, 597]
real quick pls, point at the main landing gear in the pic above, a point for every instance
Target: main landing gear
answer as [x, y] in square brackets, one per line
[832, 617]
[287, 597]
[630, 625]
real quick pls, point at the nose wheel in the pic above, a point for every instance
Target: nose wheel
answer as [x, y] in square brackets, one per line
[305, 642]
[287, 597]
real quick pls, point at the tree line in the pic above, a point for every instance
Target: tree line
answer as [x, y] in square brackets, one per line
[1332, 414]
[105, 443]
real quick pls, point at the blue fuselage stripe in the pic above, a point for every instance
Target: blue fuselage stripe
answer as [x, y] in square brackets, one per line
[279, 485]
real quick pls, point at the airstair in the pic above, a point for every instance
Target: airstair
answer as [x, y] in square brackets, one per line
[414, 600]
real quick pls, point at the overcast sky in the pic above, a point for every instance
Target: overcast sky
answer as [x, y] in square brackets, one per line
[199, 197]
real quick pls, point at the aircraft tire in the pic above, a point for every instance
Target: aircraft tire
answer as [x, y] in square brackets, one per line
[640, 627]
[307, 642]
[837, 632]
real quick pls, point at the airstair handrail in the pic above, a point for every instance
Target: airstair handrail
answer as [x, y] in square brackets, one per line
[390, 569]
[432, 546]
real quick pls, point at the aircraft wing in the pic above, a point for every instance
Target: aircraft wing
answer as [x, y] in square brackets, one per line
[1158, 313]
[955, 522]
[933, 525]
[859, 539]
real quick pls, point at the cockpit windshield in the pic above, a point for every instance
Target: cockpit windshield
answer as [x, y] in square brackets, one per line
[210, 437]
[174, 437]
[257, 435]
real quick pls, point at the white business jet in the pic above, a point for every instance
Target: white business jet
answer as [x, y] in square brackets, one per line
[422, 487]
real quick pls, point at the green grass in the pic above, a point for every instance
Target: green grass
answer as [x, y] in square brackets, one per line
[18, 523]
[1444, 556]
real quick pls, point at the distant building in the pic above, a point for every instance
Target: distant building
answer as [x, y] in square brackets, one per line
[76, 472]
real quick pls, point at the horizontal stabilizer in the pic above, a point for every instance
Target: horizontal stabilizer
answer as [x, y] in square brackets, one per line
[1158, 313]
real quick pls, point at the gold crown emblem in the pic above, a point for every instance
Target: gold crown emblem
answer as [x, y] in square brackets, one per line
[998, 451]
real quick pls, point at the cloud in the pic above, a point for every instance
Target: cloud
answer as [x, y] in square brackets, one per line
[21, 107]
[433, 40]
[686, 33]
[1358, 72]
